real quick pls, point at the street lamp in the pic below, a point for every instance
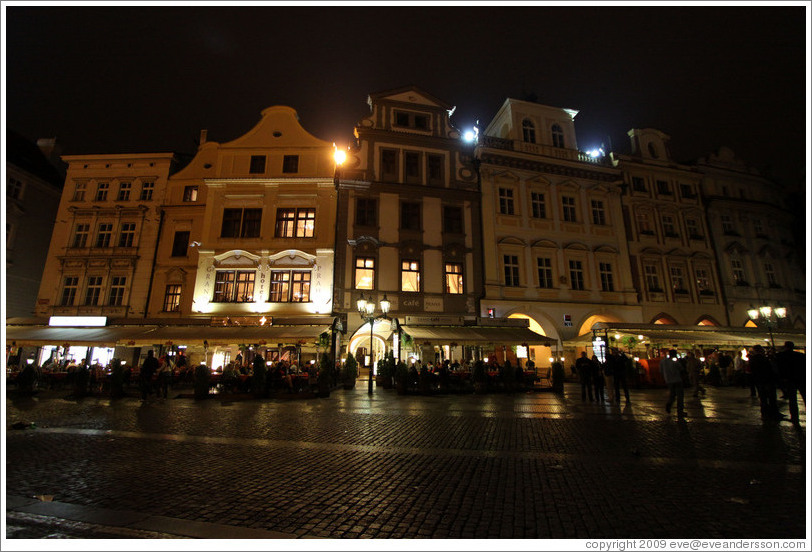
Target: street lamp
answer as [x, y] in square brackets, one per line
[770, 316]
[367, 311]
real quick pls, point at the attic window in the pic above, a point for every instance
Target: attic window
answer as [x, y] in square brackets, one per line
[277, 134]
[207, 166]
[418, 121]
[652, 150]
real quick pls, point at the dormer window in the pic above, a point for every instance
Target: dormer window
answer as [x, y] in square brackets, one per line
[652, 150]
[558, 136]
[528, 131]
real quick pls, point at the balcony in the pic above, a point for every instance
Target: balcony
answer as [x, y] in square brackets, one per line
[540, 149]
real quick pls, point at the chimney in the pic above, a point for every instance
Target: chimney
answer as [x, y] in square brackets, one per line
[48, 147]
[203, 135]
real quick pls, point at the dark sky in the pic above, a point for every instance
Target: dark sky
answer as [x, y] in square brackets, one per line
[107, 79]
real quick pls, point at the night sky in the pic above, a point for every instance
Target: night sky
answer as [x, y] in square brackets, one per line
[108, 79]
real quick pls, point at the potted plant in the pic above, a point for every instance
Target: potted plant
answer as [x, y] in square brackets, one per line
[349, 372]
[479, 376]
[386, 371]
[202, 379]
[325, 366]
[401, 377]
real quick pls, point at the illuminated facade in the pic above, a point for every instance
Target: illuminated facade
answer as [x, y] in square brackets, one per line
[554, 247]
[671, 251]
[409, 216]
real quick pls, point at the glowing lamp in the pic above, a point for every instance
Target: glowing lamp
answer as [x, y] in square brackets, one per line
[780, 312]
[469, 136]
[385, 304]
[339, 156]
[752, 313]
[766, 311]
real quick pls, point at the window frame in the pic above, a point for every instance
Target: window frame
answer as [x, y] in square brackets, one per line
[538, 205]
[528, 131]
[93, 289]
[544, 270]
[568, 210]
[258, 164]
[369, 207]
[104, 235]
[606, 276]
[81, 230]
[557, 134]
[115, 295]
[124, 189]
[598, 212]
[190, 194]
[70, 287]
[237, 281]
[506, 201]
[389, 160]
[410, 267]
[290, 164]
[176, 241]
[511, 270]
[453, 224]
[243, 225]
[406, 217]
[361, 267]
[172, 296]
[454, 271]
[147, 190]
[576, 269]
[102, 189]
[126, 235]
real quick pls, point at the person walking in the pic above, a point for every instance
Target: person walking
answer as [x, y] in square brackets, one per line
[583, 367]
[670, 369]
[792, 370]
[609, 375]
[694, 368]
[764, 378]
[148, 369]
[598, 379]
[164, 378]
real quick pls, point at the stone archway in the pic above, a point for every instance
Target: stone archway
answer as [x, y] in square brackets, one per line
[540, 354]
[360, 341]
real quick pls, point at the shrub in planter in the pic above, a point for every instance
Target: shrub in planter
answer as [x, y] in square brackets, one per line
[325, 369]
[558, 377]
[202, 381]
[386, 370]
[479, 376]
[349, 372]
[116, 379]
[401, 377]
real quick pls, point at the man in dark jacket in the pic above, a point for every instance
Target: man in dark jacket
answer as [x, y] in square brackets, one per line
[584, 368]
[764, 377]
[792, 370]
[147, 371]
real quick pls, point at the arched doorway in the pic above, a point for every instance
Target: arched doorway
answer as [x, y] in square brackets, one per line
[359, 345]
[539, 354]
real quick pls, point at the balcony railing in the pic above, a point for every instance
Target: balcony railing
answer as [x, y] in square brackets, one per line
[541, 149]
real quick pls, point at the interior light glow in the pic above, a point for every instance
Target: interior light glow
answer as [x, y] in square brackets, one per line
[77, 321]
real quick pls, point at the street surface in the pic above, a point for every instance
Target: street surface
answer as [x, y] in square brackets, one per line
[527, 465]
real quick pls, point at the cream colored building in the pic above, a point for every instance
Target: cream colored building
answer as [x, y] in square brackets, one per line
[554, 250]
[671, 251]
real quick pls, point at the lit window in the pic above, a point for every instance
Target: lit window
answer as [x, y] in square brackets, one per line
[124, 191]
[576, 275]
[703, 281]
[127, 235]
[295, 223]
[234, 286]
[528, 131]
[290, 286]
[117, 285]
[410, 276]
[511, 263]
[677, 279]
[607, 281]
[364, 273]
[172, 298]
[190, 193]
[94, 285]
[545, 270]
[453, 278]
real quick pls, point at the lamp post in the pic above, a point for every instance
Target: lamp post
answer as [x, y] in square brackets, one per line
[770, 316]
[367, 311]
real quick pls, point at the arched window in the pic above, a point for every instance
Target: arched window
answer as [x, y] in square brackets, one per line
[558, 136]
[528, 131]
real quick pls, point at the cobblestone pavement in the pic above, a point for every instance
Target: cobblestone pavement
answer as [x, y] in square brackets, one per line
[528, 465]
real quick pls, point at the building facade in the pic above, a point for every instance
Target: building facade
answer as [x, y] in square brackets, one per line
[33, 191]
[671, 251]
[752, 239]
[554, 247]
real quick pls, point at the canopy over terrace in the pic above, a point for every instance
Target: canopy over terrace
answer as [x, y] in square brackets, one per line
[667, 335]
[475, 335]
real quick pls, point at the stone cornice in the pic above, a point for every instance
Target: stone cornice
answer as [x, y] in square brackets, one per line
[589, 173]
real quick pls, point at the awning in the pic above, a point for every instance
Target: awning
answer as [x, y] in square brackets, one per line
[224, 335]
[667, 335]
[476, 335]
[106, 336]
[110, 336]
